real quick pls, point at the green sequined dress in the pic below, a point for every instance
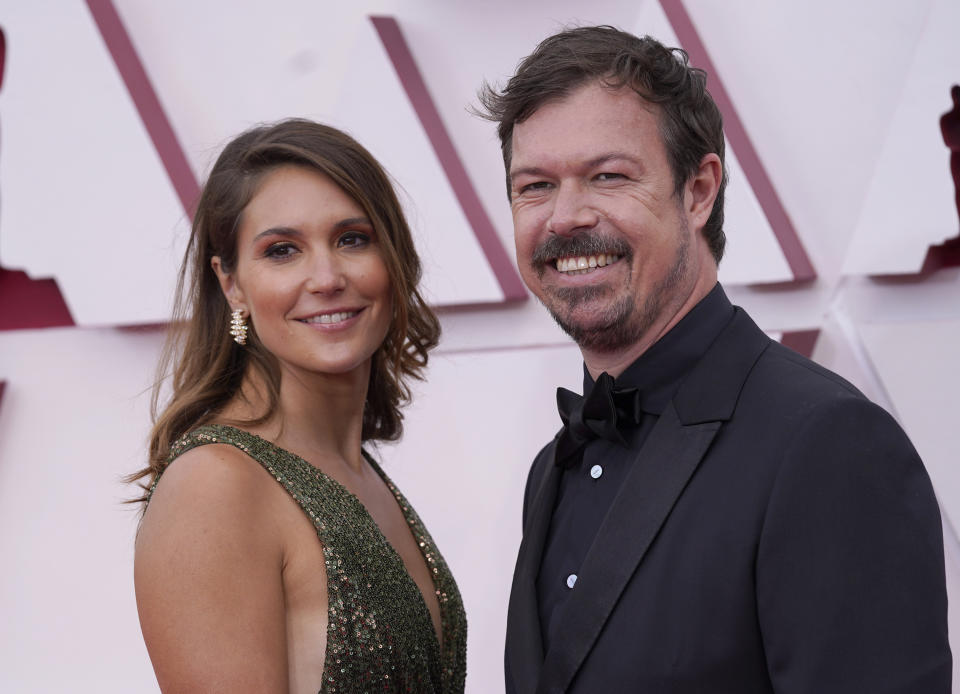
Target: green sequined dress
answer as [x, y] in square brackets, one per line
[380, 637]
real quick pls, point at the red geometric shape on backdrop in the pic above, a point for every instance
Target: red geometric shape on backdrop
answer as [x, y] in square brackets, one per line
[944, 255]
[802, 342]
[416, 89]
[736, 133]
[29, 303]
[947, 254]
[3, 54]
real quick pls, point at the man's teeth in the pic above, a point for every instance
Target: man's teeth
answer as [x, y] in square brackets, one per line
[331, 317]
[585, 263]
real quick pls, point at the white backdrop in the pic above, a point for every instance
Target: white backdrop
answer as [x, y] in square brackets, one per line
[840, 100]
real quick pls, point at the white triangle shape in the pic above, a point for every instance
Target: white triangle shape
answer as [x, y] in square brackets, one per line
[84, 196]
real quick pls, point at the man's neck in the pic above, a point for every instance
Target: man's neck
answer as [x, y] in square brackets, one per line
[615, 362]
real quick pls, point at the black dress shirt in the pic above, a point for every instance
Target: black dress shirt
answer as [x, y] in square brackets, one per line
[588, 488]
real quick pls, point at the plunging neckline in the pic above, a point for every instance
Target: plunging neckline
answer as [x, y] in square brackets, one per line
[405, 510]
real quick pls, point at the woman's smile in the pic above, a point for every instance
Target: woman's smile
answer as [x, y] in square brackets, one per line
[332, 320]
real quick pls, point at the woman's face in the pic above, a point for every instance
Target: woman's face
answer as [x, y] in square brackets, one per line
[310, 274]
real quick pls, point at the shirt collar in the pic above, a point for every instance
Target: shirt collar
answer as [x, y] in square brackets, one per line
[658, 372]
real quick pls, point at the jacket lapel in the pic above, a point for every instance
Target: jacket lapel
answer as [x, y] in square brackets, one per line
[524, 647]
[658, 475]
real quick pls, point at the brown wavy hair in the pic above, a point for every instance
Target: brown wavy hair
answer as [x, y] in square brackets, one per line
[203, 363]
[690, 122]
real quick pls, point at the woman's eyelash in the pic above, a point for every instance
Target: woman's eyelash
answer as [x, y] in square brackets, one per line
[279, 250]
[354, 239]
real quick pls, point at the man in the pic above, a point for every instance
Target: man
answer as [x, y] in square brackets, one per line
[718, 514]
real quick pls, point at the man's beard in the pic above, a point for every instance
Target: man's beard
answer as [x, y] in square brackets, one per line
[624, 321]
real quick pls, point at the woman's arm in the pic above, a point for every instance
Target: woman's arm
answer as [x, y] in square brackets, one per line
[208, 577]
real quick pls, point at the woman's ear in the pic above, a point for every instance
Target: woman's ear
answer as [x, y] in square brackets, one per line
[228, 284]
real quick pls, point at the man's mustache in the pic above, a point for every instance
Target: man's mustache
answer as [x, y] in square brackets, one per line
[585, 243]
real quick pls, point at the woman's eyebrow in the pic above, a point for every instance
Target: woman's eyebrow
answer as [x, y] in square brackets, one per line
[278, 231]
[352, 221]
[290, 231]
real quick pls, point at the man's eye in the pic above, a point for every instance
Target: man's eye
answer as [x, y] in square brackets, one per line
[609, 176]
[353, 239]
[534, 187]
[280, 250]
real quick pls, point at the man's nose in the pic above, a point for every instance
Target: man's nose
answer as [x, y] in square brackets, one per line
[571, 211]
[326, 274]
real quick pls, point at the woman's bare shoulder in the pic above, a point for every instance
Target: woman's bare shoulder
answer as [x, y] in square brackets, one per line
[214, 469]
[209, 556]
[209, 493]
[206, 497]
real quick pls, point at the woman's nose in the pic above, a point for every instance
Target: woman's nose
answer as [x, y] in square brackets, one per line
[326, 275]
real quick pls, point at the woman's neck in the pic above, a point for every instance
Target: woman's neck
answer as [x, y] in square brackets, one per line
[318, 416]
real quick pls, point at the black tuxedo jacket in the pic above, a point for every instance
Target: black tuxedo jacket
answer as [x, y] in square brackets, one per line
[777, 532]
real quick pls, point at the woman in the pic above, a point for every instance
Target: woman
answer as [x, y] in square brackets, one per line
[301, 323]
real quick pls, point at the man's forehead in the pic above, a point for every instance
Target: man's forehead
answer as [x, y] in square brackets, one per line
[591, 123]
[586, 161]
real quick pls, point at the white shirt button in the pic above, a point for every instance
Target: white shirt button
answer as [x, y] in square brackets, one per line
[596, 471]
[571, 580]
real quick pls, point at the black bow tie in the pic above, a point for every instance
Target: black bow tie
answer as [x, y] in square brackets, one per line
[599, 415]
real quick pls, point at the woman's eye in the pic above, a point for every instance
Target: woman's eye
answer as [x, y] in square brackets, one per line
[280, 250]
[353, 239]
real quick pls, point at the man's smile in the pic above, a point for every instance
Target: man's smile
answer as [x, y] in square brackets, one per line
[579, 265]
[579, 254]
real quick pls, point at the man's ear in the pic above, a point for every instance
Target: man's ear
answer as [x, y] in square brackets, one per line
[228, 284]
[702, 189]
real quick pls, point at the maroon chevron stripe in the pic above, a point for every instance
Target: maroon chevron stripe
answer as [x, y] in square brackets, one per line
[416, 89]
[148, 104]
[753, 168]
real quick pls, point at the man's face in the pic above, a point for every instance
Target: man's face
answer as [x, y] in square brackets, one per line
[602, 239]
